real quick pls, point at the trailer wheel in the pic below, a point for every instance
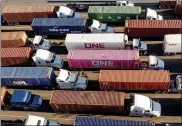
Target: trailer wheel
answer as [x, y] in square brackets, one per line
[158, 92]
[165, 92]
[10, 23]
[16, 23]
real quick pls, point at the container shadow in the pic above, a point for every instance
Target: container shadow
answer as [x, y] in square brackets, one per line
[59, 50]
[170, 107]
[155, 49]
[173, 65]
[93, 85]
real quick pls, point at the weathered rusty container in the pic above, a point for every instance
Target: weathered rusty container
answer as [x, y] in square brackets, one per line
[126, 80]
[178, 9]
[13, 39]
[87, 101]
[15, 56]
[110, 59]
[168, 4]
[26, 13]
[152, 28]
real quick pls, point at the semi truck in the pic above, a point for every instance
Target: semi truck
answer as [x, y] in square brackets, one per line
[104, 102]
[41, 77]
[118, 14]
[113, 41]
[152, 28]
[85, 6]
[111, 59]
[21, 99]
[15, 14]
[139, 80]
[63, 26]
[20, 39]
[28, 57]
[33, 120]
[172, 44]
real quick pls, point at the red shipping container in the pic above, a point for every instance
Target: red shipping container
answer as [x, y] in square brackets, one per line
[152, 28]
[13, 39]
[15, 56]
[178, 9]
[87, 101]
[26, 13]
[114, 59]
[168, 3]
[152, 80]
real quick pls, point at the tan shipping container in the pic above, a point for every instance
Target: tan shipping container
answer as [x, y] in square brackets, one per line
[15, 56]
[26, 13]
[87, 101]
[125, 80]
[13, 39]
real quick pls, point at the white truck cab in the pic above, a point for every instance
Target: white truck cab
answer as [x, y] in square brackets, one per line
[179, 83]
[47, 58]
[155, 63]
[98, 27]
[152, 15]
[39, 121]
[141, 46]
[124, 3]
[143, 106]
[65, 12]
[40, 43]
[70, 80]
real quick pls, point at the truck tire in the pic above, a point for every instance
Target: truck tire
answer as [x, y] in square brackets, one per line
[158, 92]
[16, 23]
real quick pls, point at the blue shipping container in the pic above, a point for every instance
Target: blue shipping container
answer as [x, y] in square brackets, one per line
[90, 121]
[59, 26]
[27, 76]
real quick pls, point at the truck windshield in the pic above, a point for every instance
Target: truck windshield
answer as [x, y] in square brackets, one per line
[47, 124]
[73, 14]
[68, 77]
[41, 41]
[151, 104]
[53, 58]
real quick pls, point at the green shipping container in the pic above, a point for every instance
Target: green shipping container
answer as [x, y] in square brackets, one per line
[110, 14]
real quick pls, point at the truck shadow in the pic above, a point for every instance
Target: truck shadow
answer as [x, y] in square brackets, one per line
[170, 107]
[173, 65]
[155, 49]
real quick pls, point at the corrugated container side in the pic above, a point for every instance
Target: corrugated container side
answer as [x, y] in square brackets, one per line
[113, 13]
[94, 121]
[87, 101]
[15, 56]
[26, 13]
[167, 3]
[134, 80]
[27, 76]
[13, 39]
[58, 26]
[115, 59]
[152, 28]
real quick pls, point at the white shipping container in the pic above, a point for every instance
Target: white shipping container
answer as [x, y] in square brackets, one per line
[111, 41]
[172, 43]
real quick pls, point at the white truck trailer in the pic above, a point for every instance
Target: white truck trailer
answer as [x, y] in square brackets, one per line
[113, 41]
[172, 44]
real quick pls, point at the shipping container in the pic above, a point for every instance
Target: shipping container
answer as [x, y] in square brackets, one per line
[172, 43]
[152, 28]
[117, 14]
[27, 76]
[95, 41]
[95, 121]
[26, 13]
[178, 9]
[15, 56]
[87, 101]
[13, 39]
[145, 80]
[114, 59]
[167, 4]
[59, 26]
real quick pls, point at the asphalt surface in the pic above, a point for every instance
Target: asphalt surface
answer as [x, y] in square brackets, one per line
[171, 103]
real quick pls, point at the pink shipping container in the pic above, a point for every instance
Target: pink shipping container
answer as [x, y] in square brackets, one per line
[152, 28]
[15, 56]
[151, 80]
[114, 59]
[87, 101]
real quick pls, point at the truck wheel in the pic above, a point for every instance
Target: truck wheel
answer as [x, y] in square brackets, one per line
[165, 92]
[158, 92]
[16, 23]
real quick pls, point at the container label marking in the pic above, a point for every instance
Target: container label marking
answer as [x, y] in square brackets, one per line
[94, 45]
[103, 63]
[20, 83]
